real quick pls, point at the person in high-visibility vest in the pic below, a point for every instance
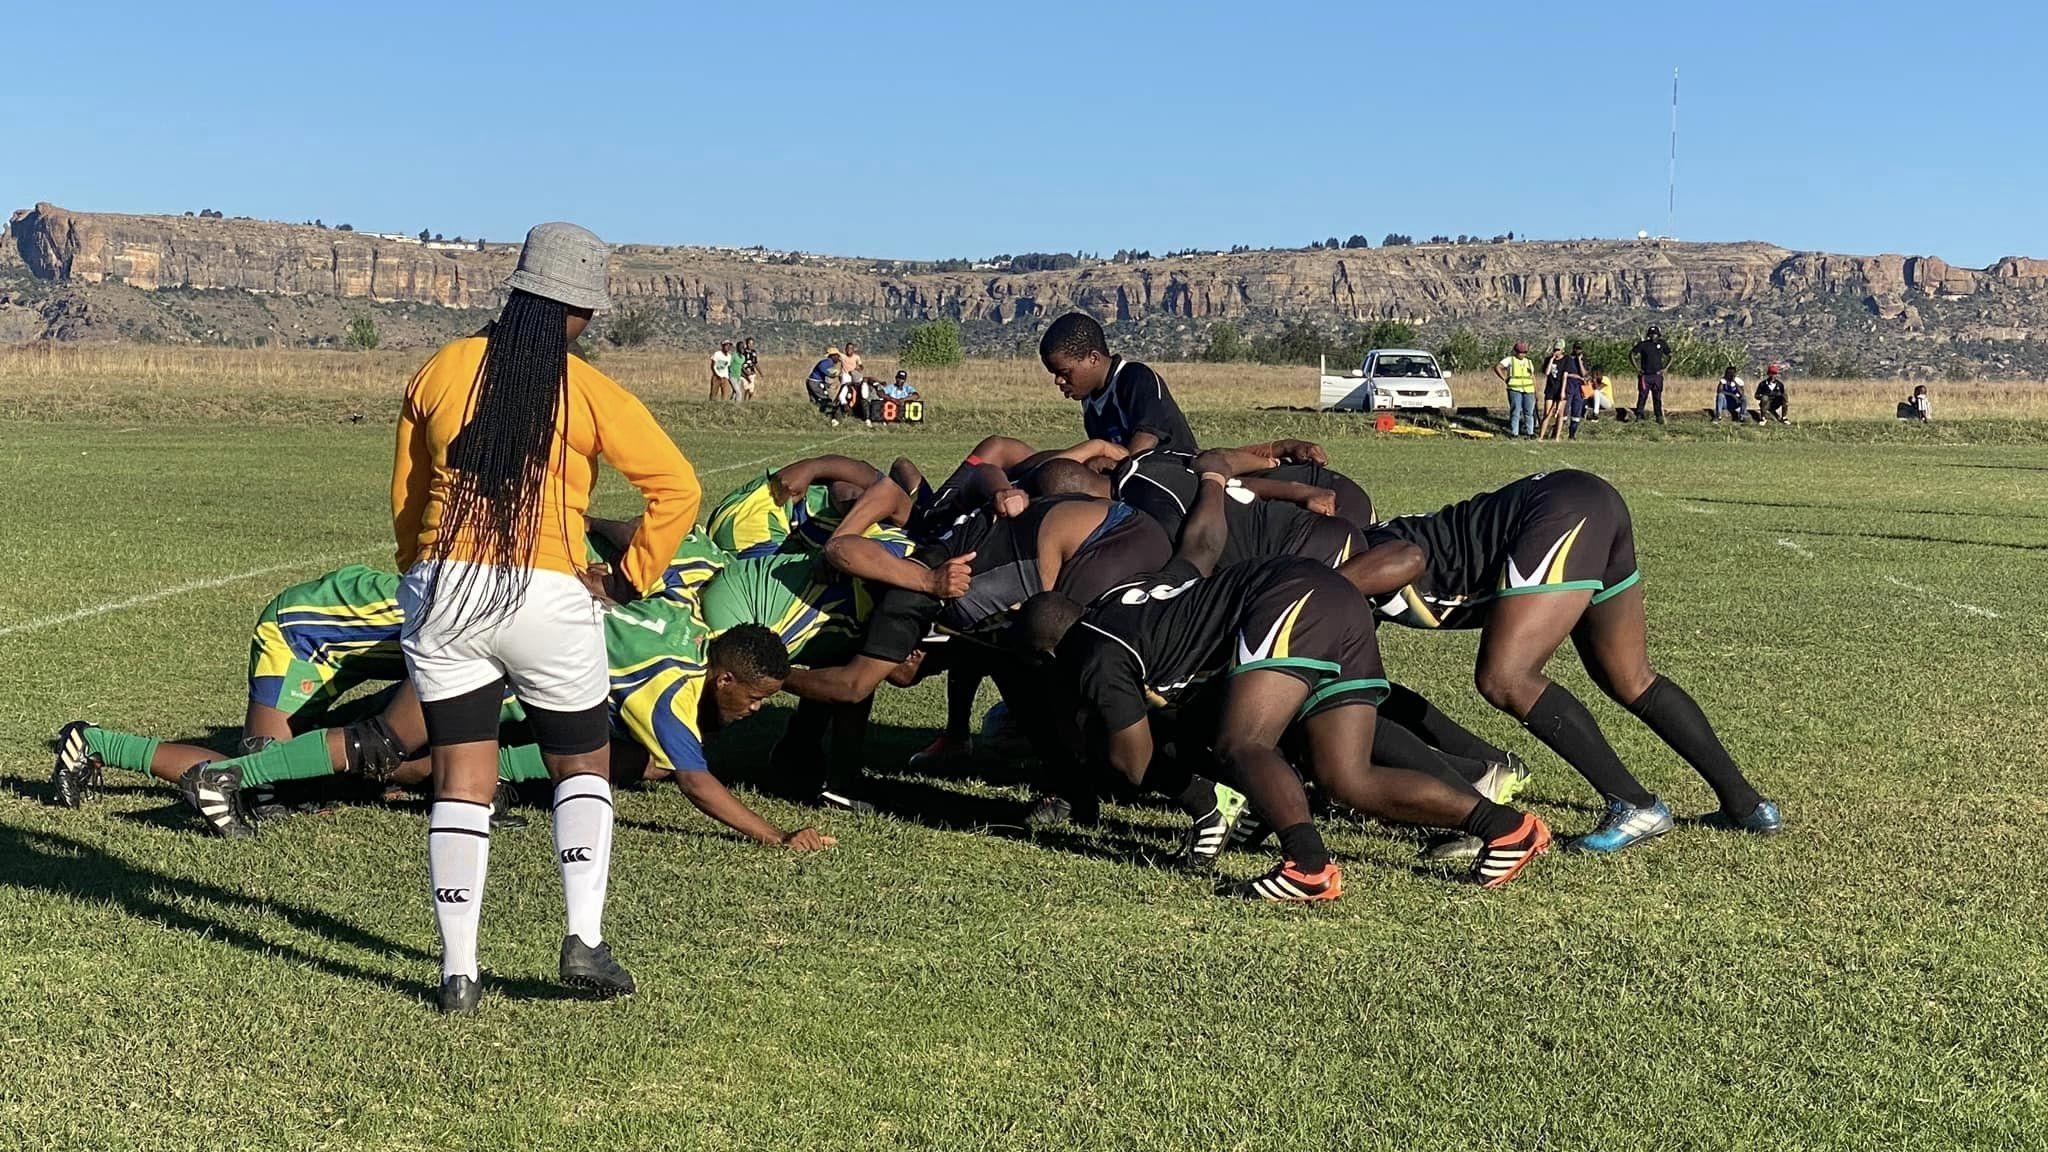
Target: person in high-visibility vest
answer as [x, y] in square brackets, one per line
[1518, 372]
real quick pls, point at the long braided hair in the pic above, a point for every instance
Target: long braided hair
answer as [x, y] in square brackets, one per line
[500, 458]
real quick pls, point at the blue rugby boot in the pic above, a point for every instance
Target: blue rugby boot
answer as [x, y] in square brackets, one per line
[1763, 820]
[1624, 825]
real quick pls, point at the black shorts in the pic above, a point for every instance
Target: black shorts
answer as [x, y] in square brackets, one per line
[1327, 540]
[1573, 532]
[1311, 624]
[1553, 389]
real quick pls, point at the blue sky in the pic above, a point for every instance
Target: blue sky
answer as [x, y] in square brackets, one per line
[926, 131]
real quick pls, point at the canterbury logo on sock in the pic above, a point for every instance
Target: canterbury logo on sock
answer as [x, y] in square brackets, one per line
[451, 895]
[575, 855]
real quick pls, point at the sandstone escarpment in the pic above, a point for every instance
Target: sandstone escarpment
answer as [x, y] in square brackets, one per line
[1426, 282]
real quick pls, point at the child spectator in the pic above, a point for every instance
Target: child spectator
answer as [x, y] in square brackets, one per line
[1729, 397]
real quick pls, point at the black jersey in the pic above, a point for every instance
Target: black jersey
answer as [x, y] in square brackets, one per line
[1006, 572]
[1353, 503]
[1164, 486]
[1146, 642]
[1551, 532]
[1134, 399]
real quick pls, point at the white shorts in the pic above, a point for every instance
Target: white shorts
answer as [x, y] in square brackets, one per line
[550, 649]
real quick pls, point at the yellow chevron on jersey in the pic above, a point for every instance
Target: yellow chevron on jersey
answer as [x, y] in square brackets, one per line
[1547, 571]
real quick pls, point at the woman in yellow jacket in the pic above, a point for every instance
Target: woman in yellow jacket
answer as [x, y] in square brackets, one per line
[498, 445]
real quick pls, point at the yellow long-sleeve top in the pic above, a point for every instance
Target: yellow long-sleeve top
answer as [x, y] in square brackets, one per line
[597, 417]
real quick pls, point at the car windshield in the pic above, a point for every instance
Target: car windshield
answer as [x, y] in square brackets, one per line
[1414, 367]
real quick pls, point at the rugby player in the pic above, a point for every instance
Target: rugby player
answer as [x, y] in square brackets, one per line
[1122, 401]
[792, 508]
[1552, 556]
[668, 688]
[1294, 644]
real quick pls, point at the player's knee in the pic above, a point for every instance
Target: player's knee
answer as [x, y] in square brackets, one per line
[373, 750]
[1510, 690]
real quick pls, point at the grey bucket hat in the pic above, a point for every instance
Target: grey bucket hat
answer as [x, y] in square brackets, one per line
[564, 262]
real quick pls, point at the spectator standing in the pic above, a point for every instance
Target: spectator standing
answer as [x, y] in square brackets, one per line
[1650, 356]
[1518, 372]
[1553, 392]
[721, 372]
[1729, 397]
[1770, 396]
[750, 367]
[1577, 388]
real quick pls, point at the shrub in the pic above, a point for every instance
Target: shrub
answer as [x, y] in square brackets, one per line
[362, 333]
[1226, 343]
[630, 328]
[933, 345]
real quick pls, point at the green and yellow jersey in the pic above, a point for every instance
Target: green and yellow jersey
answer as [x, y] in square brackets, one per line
[816, 610]
[655, 649]
[696, 561]
[751, 522]
[315, 641]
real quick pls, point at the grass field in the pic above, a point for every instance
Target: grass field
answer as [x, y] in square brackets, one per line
[1861, 619]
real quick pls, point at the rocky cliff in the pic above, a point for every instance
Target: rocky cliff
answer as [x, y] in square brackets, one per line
[1729, 285]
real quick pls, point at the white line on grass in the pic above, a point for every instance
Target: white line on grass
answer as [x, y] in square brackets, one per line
[801, 453]
[1958, 605]
[88, 613]
[1795, 548]
[174, 590]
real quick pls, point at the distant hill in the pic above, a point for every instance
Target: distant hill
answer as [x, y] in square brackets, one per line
[91, 276]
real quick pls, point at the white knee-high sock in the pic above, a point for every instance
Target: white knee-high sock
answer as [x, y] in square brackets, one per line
[458, 854]
[583, 846]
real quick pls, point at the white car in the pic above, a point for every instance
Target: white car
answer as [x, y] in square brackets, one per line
[1391, 379]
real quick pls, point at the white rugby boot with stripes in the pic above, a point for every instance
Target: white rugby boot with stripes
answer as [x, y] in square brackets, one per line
[216, 794]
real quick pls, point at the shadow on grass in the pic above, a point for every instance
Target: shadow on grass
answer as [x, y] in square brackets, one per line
[1872, 510]
[1921, 538]
[75, 870]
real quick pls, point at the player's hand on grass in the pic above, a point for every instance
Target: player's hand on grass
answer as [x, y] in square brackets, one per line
[1322, 502]
[949, 581]
[807, 840]
[1010, 503]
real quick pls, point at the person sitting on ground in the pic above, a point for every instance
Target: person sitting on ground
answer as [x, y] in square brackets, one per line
[1918, 406]
[1770, 396]
[900, 388]
[1729, 397]
[1599, 396]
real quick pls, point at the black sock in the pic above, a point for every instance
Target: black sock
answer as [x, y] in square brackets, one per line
[1413, 711]
[1676, 719]
[1566, 728]
[1394, 746]
[1303, 845]
[1490, 821]
[1198, 797]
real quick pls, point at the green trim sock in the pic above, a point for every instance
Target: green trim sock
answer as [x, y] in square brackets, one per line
[520, 763]
[123, 750]
[303, 757]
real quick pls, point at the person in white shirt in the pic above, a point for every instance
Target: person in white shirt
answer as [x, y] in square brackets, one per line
[721, 372]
